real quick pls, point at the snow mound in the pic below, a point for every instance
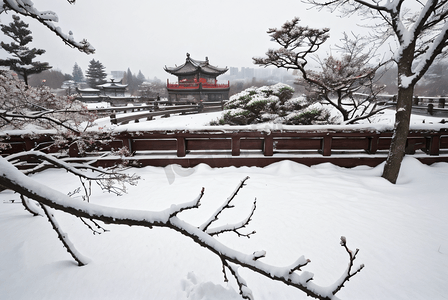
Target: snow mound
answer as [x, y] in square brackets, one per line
[197, 290]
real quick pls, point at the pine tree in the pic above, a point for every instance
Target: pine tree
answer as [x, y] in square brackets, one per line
[95, 74]
[78, 76]
[22, 57]
[140, 76]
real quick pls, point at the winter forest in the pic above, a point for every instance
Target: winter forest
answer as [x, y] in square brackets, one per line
[321, 173]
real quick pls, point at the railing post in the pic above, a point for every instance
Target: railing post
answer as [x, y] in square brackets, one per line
[113, 119]
[433, 144]
[268, 146]
[73, 150]
[236, 146]
[416, 100]
[431, 109]
[29, 144]
[326, 145]
[373, 144]
[127, 142]
[441, 103]
[181, 147]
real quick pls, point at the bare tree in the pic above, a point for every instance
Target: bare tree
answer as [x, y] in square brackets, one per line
[204, 235]
[46, 18]
[339, 78]
[21, 106]
[420, 31]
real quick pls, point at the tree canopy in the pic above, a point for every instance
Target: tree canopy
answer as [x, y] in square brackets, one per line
[95, 74]
[22, 57]
[78, 75]
[338, 79]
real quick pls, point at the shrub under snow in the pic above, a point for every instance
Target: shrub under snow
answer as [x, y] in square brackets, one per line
[271, 104]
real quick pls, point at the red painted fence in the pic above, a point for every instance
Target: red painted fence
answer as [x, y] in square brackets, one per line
[220, 148]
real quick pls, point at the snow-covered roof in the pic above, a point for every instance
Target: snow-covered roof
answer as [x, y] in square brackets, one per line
[113, 85]
[89, 90]
[192, 66]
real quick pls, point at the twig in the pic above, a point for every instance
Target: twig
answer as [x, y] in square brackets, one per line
[225, 205]
[63, 237]
[245, 292]
[352, 256]
[32, 209]
[236, 226]
[96, 225]
[188, 205]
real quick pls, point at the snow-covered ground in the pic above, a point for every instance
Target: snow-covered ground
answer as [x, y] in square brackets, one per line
[401, 231]
[380, 121]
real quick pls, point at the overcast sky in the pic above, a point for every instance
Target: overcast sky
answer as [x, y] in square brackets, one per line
[147, 35]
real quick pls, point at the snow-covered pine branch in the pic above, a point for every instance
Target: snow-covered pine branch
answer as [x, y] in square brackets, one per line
[338, 78]
[12, 178]
[48, 19]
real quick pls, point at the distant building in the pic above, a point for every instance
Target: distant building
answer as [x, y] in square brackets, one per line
[197, 82]
[113, 89]
[88, 92]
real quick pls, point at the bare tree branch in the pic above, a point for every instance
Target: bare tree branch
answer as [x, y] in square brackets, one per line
[245, 292]
[63, 237]
[47, 18]
[349, 274]
[30, 207]
[225, 205]
[236, 226]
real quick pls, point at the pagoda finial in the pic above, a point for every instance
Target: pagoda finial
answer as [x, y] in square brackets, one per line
[206, 59]
[188, 55]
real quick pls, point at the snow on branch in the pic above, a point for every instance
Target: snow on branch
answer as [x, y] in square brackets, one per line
[72, 168]
[234, 227]
[30, 206]
[297, 43]
[47, 18]
[63, 237]
[226, 204]
[188, 205]
[292, 275]
[245, 292]
[109, 181]
[348, 274]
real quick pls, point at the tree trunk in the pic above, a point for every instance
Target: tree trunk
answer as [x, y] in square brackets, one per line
[402, 116]
[399, 138]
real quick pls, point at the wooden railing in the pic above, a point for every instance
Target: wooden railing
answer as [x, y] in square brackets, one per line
[164, 110]
[219, 148]
[158, 111]
[427, 106]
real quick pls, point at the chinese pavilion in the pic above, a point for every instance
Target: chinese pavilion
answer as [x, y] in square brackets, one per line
[113, 89]
[197, 82]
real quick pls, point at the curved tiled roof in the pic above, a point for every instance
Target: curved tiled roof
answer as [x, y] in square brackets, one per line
[192, 66]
